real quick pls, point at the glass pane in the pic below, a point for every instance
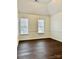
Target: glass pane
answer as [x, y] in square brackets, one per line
[23, 26]
[40, 26]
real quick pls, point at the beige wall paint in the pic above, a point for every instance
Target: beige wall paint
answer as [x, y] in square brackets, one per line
[33, 26]
[56, 26]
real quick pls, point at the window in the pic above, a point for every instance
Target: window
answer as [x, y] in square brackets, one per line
[23, 26]
[40, 26]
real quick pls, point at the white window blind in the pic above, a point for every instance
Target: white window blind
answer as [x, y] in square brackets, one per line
[23, 26]
[40, 26]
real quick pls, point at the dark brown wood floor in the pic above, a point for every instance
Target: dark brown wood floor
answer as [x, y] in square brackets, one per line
[40, 49]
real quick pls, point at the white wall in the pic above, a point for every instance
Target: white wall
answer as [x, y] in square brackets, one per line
[56, 26]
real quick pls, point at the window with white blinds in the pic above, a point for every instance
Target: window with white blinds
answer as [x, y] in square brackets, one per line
[40, 26]
[24, 26]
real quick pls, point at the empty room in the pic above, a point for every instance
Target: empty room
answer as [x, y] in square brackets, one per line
[40, 29]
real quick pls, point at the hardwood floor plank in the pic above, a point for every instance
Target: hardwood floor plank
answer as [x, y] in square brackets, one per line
[40, 49]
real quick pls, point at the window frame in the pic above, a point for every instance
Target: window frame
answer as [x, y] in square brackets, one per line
[27, 26]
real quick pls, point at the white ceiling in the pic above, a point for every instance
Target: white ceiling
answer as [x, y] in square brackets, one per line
[39, 1]
[41, 7]
[55, 6]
